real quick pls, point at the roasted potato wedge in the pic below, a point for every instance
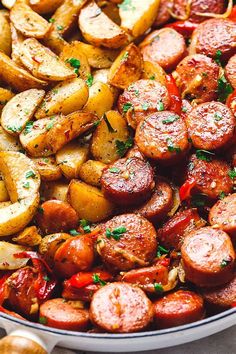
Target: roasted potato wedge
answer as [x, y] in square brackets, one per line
[100, 100]
[50, 244]
[54, 190]
[43, 63]
[5, 96]
[8, 3]
[111, 130]
[20, 109]
[17, 39]
[127, 68]
[4, 196]
[137, 16]
[47, 168]
[99, 58]
[22, 182]
[48, 135]
[67, 97]
[17, 77]
[7, 259]
[101, 75]
[28, 237]
[5, 30]
[98, 29]
[28, 22]
[72, 51]
[44, 6]
[91, 172]
[89, 201]
[71, 157]
[153, 71]
[9, 142]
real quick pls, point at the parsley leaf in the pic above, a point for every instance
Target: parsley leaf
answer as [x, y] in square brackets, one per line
[161, 250]
[74, 232]
[26, 185]
[124, 57]
[123, 146]
[225, 262]
[30, 174]
[218, 57]
[145, 106]
[28, 127]
[170, 119]
[160, 106]
[116, 233]
[218, 116]
[232, 173]
[85, 225]
[224, 89]
[222, 195]
[127, 106]
[114, 170]
[171, 146]
[204, 155]
[158, 287]
[75, 63]
[126, 5]
[98, 280]
[43, 320]
[89, 80]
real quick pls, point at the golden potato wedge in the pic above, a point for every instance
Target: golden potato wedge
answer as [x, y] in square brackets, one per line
[99, 58]
[153, 71]
[43, 63]
[28, 22]
[47, 168]
[4, 196]
[127, 68]
[7, 259]
[91, 172]
[63, 21]
[111, 10]
[48, 135]
[9, 142]
[71, 157]
[22, 183]
[89, 201]
[100, 100]
[20, 109]
[50, 244]
[5, 96]
[17, 39]
[8, 3]
[28, 237]
[101, 75]
[67, 97]
[98, 29]
[72, 51]
[138, 16]
[111, 132]
[44, 6]
[54, 190]
[5, 31]
[17, 77]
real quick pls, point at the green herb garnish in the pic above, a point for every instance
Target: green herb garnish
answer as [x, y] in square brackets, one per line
[204, 155]
[116, 233]
[98, 280]
[161, 250]
[123, 146]
[89, 80]
[158, 287]
[170, 119]
[127, 106]
[171, 147]
[224, 89]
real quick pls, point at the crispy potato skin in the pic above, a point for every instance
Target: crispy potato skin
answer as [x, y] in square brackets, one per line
[5, 30]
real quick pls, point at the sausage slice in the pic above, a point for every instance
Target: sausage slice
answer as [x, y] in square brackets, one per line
[223, 214]
[178, 308]
[127, 241]
[162, 136]
[121, 308]
[165, 47]
[208, 257]
[197, 78]
[230, 71]
[59, 313]
[128, 181]
[210, 125]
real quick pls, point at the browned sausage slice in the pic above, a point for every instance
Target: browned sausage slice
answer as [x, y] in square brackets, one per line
[173, 232]
[142, 98]
[127, 241]
[211, 175]
[197, 78]
[165, 47]
[210, 125]
[223, 214]
[222, 297]
[58, 313]
[163, 14]
[121, 308]
[230, 71]
[162, 136]
[208, 257]
[198, 6]
[178, 308]
[56, 216]
[214, 35]
[128, 181]
[160, 203]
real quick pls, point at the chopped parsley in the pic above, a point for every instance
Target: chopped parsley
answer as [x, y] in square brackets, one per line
[218, 57]
[14, 129]
[96, 124]
[75, 63]
[170, 119]
[74, 232]
[30, 174]
[160, 106]
[232, 173]
[60, 28]
[114, 170]
[222, 195]
[171, 147]
[184, 109]
[40, 210]
[152, 77]
[218, 116]
[224, 89]
[124, 57]
[85, 226]
[28, 127]
[204, 155]
[98, 280]
[52, 20]
[46, 278]
[26, 185]
[161, 250]
[43, 320]
[49, 125]
[145, 106]
[111, 130]
[123, 146]
[224, 263]
[127, 106]
[89, 80]
[126, 5]
[116, 233]
[158, 287]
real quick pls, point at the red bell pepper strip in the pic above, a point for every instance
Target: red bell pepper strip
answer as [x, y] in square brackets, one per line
[82, 279]
[3, 288]
[185, 189]
[185, 28]
[175, 99]
[232, 16]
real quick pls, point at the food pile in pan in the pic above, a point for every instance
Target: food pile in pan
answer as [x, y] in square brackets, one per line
[118, 162]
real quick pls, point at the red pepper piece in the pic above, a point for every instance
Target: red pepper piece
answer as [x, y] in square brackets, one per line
[82, 279]
[232, 16]
[175, 99]
[186, 188]
[185, 28]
